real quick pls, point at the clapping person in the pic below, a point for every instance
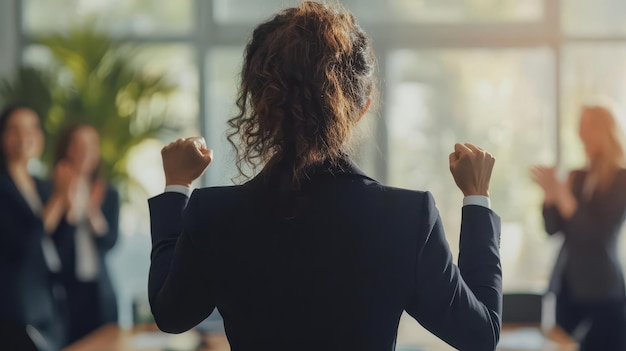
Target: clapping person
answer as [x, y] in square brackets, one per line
[88, 231]
[588, 209]
[30, 211]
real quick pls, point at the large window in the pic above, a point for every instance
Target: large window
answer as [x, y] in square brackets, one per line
[122, 17]
[500, 99]
[507, 75]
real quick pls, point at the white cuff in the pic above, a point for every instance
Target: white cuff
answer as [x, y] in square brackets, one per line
[181, 189]
[477, 200]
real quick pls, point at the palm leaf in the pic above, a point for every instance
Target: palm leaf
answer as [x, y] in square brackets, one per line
[106, 88]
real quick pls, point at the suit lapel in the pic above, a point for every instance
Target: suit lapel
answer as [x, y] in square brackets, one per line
[13, 194]
[8, 186]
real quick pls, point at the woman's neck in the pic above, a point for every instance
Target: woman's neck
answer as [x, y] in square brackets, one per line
[83, 173]
[602, 164]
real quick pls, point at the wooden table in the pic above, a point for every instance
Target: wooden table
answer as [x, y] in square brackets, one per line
[143, 338]
[556, 338]
[113, 338]
[412, 336]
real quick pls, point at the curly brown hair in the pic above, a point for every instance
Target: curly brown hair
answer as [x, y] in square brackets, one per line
[307, 77]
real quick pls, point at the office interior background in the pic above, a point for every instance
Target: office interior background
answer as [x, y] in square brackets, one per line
[508, 75]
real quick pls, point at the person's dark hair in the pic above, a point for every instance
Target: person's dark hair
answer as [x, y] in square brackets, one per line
[307, 76]
[5, 115]
[63, 146]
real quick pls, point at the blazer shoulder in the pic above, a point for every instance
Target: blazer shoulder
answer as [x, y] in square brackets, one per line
[395, 190]
[419, 203]
[211, 202]
[219, 195]
[415, 197]
[209, 210]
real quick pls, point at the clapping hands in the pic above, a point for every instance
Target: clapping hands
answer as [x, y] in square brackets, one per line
[556, 191]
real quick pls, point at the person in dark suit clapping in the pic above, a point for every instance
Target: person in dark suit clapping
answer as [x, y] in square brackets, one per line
[30, 211]
[312, 254]
[88, 231]
[588, 209]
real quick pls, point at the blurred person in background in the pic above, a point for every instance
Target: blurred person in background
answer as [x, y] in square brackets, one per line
[30, 210]
[311, 253]
[88, 231]
[588, 209]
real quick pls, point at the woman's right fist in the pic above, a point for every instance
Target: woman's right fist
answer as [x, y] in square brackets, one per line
[185, 160]
[471, 169]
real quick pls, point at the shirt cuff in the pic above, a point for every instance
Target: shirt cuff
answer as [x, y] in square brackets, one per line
[477, 200]
[181, 189]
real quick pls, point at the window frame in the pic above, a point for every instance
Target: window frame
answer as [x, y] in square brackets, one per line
[206, 32]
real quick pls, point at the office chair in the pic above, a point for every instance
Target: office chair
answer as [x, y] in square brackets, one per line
[530, 308]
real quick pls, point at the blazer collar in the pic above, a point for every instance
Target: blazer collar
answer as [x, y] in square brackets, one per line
[7, 184]
[341, 168]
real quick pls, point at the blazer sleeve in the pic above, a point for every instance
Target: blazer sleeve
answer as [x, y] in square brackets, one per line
[461, 305]
[180, 293]
[111, 212]
[553, 220]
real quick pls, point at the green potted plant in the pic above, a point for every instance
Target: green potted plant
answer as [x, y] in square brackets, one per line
[93, 79]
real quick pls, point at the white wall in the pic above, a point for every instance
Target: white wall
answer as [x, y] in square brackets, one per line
[8, 37]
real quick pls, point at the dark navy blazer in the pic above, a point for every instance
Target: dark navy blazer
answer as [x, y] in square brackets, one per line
[64, 238]
[329, 267]
[25, 281]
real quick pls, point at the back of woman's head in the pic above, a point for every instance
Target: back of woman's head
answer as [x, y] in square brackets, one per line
[307, 78]
[5, 115]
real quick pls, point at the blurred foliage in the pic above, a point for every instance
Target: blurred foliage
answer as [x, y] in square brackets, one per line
[94, 79]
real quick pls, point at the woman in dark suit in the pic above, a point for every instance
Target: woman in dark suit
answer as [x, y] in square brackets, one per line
[589, 208]
[29, 213]
[88, 231]
[312, 254]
